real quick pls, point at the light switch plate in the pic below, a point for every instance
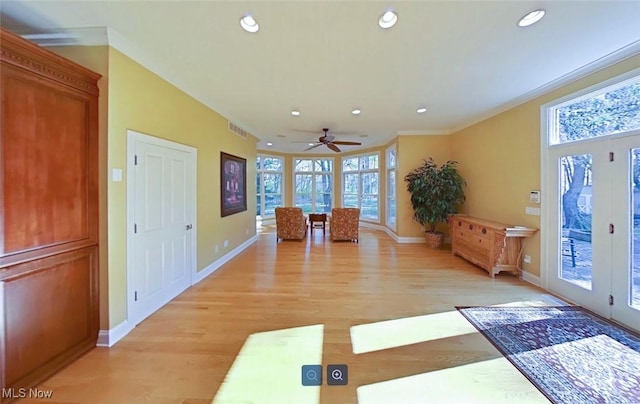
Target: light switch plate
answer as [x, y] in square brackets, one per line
[529, 210]
[116, 174]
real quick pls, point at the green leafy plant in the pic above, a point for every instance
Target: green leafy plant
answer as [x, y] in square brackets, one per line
[435, 192]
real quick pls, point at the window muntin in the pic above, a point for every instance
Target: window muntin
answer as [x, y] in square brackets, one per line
[313, 185]
[269, 185]
[360, 187]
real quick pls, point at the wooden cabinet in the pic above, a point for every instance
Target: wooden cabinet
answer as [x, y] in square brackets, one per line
[493, 246]
[49, 217]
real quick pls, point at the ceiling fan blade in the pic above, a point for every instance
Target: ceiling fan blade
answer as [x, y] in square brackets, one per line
[313, 147]
[333, 147]
[347, 143]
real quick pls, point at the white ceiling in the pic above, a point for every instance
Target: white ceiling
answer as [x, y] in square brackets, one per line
[463, 60]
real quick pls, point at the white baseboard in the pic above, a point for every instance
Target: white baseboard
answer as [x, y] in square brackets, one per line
[380, 227]
[211, 268]
[108, 338]
[412, 240]
[374, 226]
[531, 278]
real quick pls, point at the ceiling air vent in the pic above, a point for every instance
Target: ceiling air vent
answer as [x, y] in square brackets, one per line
[237, 130]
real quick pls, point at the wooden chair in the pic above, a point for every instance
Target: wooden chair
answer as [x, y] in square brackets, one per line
[290, 224]
[345, 223]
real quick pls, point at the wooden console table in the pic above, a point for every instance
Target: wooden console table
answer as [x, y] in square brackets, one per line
[496, 247]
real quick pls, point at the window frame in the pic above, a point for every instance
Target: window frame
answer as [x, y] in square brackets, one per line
[550, 130]
[259, 173]
[313, 174]
[388, 197]
[360, 173]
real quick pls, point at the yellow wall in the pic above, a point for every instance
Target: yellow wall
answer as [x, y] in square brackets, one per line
[133, 97]
[412, 150]
[96, 58]
[500, 159]
[140, 100]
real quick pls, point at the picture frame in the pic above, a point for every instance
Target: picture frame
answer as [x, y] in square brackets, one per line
[233, 184]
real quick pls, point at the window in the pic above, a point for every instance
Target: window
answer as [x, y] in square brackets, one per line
[360, 185]
[607, 111]
[391, 187]
[313, 185]
[269, 182]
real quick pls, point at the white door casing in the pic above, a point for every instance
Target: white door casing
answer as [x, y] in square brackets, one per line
[161, 193]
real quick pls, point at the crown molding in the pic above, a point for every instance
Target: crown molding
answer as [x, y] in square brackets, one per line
[418, 132]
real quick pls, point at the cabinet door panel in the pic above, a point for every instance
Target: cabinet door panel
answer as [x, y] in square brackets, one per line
[39, 333]
[44, 181]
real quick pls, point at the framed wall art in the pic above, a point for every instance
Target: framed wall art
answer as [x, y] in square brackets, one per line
[233, 184]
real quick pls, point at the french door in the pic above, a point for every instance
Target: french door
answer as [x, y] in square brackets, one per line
[593, 246]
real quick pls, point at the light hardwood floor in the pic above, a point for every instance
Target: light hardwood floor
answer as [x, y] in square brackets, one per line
[183, 352]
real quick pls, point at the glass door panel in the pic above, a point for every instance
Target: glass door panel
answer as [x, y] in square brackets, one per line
[579, 244]
[576, 206]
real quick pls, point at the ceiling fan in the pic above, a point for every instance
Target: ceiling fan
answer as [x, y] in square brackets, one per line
[331, 143]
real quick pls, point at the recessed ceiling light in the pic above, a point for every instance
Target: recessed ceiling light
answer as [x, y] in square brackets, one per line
[295, 113]
[388, 19]
[356, 112]
[249, 24]
[311, 144]
[421, 110]
[531, 18]
[269, 144]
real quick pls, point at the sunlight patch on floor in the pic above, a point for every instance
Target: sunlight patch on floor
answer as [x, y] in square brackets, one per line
[492, 381]
[405, 331]
[268, 367]
[545, 300]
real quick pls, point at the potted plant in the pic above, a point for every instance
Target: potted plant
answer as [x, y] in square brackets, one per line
[435, 193]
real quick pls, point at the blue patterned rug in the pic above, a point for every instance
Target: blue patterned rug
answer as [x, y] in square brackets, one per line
[571, 355]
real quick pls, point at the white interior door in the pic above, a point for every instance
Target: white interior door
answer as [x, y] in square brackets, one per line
[592, 259]
[161, 247]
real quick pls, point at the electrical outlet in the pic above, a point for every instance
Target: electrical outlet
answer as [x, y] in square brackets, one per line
[527, 259]
[217, 248]
[226, 243]
[246, 231]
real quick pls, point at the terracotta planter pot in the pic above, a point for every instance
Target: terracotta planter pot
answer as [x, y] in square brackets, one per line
[434, 240]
